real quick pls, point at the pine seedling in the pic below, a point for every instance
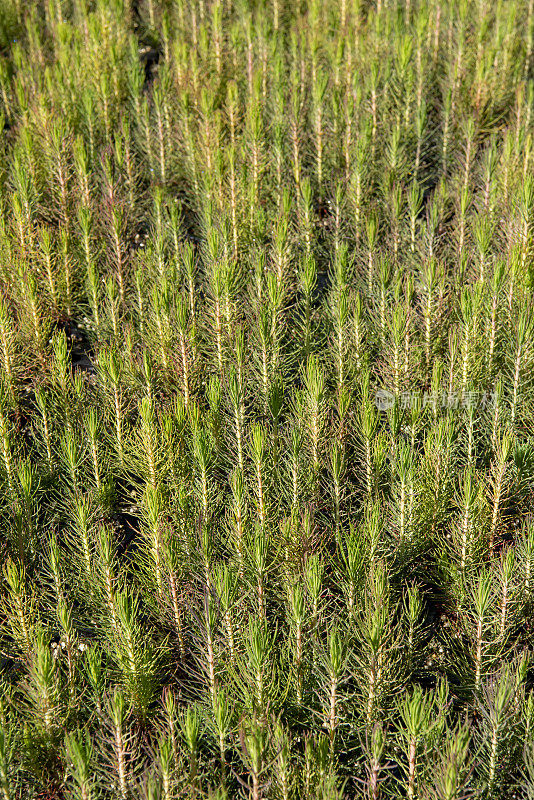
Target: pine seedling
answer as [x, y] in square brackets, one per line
[136, 659]
[110, 373]
[374, 751]
[184, 334]
[170, 728]
[283, 767]
[260, 556]
[497, 730]
[147, 446]
[281, 241]
[62, 377]
[358, 344]
[314, 574]
[306, 217]
[295, 135]
[464, 202]
[20, 609]
[43, 691]
[176, 578]
[339, 310]
[467, 543]
[265, 337]
[483, 235]
[523, 473]
[208, 637]
[25, 510]
[277, 296]
[35, 324]
[9, 366]
[217, 298]
[307, 282]
[81, 755]
[525, 554]
[226, 586]
[152, 548]
[352, 555]
[452, 775]
[520, 363]
[469, 309]
[7, 746]
[68, 272]
[56, 141]
[221, 720]
[478, 617]
[403, 493]
[430, 289]
[437, 466]
[258, 449]
[238, 514]
[320, 776]
[497, 412]
[256, 674]
[112, 307]
[23, 206]
[527, 782]
[53, 572]
[203, 454]
[414, 627]
[368, 424]
[275, 405]
[314, 408]
[254, 744]
[385, 276]
[108, 579]
[83, 175]
[121, 746]
[376, 662]
[319, 87]
[46, 253]
[151, 785]
[416, 716]
[237, 398]
[164, 781]
[338, 468]
[526, 210]
[295, 469]
[71, 458]
[415, 205]
[93, 672]
[92, 274]
[190, 730]
[117, 235]
[92, 427]
[498, 486]
[81, 540]
[297, 621]
[330, 679]
[508, 593]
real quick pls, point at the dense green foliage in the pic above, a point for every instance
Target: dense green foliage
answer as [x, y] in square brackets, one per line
[266, 399]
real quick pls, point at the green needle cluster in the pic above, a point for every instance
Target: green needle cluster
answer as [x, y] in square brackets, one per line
[266, 399]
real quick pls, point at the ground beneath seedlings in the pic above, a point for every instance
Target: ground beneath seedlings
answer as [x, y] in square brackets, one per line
[140, 238]
[128, 528]
[79, 346]
[149, 57]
